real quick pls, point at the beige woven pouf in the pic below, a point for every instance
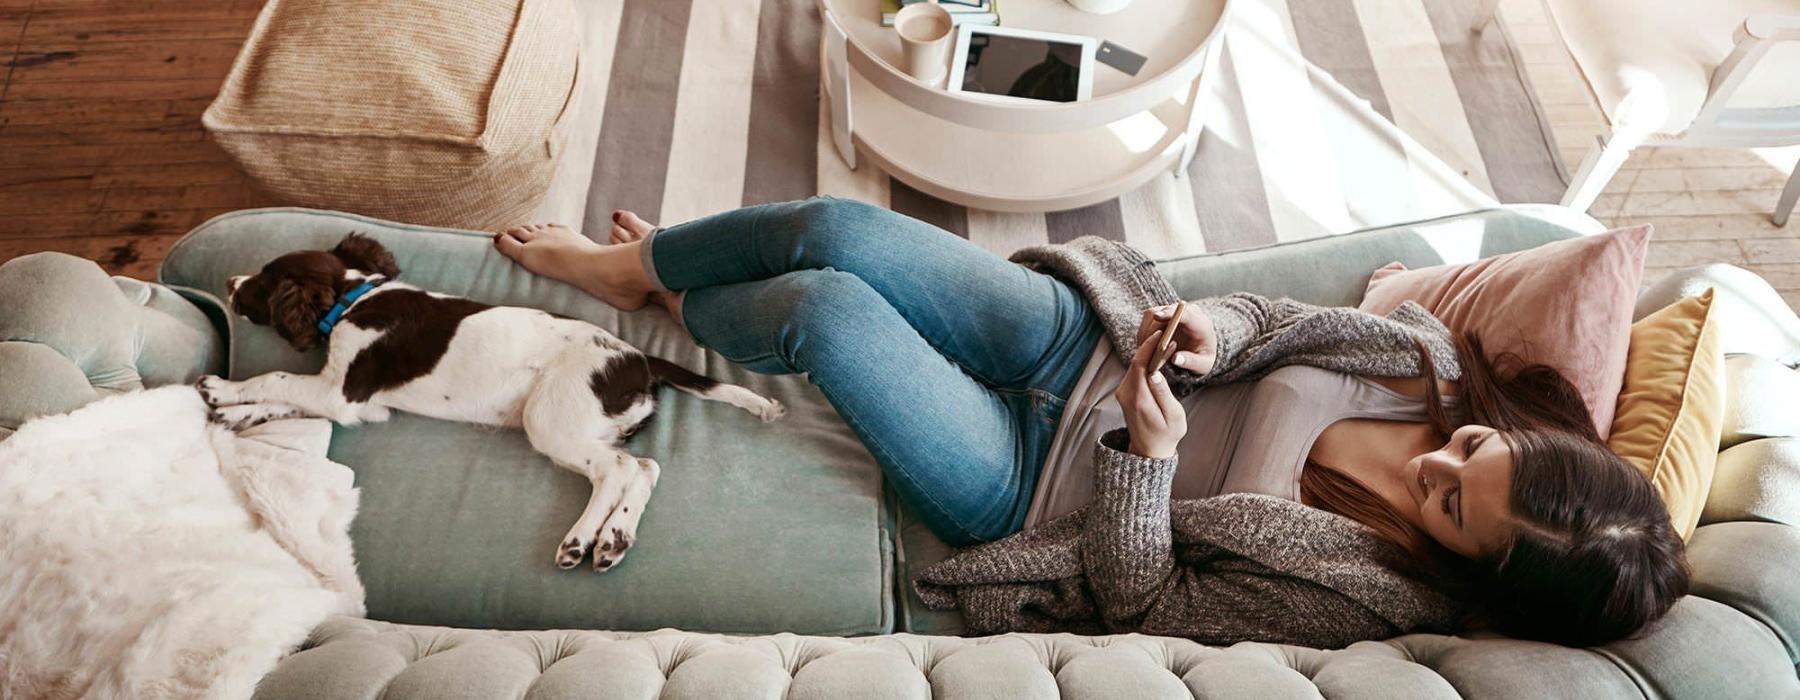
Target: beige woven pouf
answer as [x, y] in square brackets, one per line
[439, 112]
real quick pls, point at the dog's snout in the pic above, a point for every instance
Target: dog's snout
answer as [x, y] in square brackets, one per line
[232, 284]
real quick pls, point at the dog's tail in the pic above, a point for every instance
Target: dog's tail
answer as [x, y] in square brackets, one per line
[705, 387]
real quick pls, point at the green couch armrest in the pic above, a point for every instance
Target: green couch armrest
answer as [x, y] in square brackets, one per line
[69, 334]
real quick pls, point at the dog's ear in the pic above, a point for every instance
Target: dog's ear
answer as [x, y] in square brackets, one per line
[359, 252]
[295, 309]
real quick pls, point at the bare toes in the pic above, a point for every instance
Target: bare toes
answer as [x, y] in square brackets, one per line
[620, 234]
[633, 223]
[508, 245]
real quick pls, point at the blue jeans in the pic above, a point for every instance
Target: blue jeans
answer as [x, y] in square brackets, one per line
[951, 364]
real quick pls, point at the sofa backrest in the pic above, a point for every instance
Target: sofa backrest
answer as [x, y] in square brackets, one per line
[1334, 270]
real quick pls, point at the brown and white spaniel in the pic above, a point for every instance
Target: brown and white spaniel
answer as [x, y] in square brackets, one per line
[578, 391]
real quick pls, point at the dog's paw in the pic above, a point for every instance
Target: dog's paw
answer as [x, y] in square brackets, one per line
[213, 390]
[248, 415]
[611, 549]
[570, 553]
[229, 417]
[772, 411]
[243, 416]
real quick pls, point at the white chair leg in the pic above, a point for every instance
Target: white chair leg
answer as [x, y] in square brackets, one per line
[1485, 14]
[1788, 196]
[1597, 169]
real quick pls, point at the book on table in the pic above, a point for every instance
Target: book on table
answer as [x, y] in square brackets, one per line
[985, 12]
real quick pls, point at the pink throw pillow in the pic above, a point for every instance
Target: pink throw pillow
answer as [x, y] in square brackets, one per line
[1566, 304]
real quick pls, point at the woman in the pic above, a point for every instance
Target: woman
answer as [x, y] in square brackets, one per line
[1331, 492]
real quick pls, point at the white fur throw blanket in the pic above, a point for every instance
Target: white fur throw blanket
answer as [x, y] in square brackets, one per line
[145, 553]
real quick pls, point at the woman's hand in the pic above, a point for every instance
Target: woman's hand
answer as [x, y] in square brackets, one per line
[1155, 418]
[1196, 343]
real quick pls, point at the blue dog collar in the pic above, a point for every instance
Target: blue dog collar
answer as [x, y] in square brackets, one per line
[343, 304]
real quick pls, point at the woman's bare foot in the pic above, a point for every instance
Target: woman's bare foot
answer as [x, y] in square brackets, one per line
[612, 273]
[629, 227]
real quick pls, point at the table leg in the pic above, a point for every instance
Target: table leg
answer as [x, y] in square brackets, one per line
[1196, 113]
[1789, 195]
[1190, 138]
[835, 77]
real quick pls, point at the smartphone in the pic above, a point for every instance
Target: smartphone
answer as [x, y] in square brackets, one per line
[1168, 335]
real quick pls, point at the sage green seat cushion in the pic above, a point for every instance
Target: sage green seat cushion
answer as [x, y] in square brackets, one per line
[1330, 271]
[753, 527]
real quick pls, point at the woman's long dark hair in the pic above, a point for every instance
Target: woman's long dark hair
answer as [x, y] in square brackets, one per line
[1591, 556]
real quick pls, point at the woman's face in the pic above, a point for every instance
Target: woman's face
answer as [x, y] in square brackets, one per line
[1463, 490]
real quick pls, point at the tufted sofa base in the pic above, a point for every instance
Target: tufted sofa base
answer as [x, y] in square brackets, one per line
[368, 659]
[355, 658]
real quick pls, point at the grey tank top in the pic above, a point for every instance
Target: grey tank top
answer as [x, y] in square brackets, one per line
[1250, 437]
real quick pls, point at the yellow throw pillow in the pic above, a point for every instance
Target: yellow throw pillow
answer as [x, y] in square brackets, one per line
[1672, 407]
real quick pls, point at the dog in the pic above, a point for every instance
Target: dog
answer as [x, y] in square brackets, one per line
[578, 391]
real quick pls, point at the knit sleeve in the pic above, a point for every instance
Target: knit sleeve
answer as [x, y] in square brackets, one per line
[1117, 280]
[1239, 320]
[1126, 538]
[1239, 600]
[1256, 334]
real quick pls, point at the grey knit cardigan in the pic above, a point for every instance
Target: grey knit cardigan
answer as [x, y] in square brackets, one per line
[1221, 570]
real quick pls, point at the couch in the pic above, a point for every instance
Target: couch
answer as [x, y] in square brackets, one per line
[773, 563]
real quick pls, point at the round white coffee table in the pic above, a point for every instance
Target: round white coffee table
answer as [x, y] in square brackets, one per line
[1025, 157]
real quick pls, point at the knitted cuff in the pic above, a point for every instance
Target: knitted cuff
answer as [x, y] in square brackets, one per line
[1233, 327]
[648, 259]
[1124, 478]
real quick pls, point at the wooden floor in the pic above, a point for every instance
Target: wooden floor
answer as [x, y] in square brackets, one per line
[101, 150]
[102, 154]
[1707, 205]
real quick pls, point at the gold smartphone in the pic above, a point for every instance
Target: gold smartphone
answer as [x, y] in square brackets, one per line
[1168, 336]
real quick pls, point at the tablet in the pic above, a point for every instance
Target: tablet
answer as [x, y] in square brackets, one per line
[1004, 63]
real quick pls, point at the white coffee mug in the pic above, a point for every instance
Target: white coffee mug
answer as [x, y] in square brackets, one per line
[925, 38]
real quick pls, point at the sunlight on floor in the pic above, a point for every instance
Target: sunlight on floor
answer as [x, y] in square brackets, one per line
[1784, 159]
[1297, 111]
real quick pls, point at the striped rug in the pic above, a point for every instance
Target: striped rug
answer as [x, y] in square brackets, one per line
[1327, 116]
